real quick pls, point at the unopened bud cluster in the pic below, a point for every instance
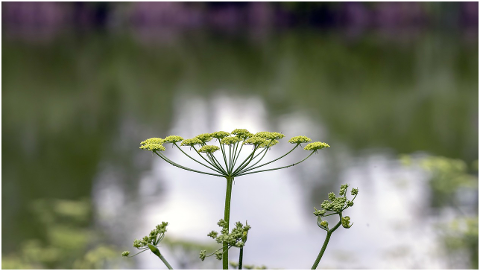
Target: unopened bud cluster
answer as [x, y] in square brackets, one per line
[336, 205]
[236, 238]
[156, 235]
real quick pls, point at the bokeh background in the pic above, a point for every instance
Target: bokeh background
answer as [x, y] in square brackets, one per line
[392, 87]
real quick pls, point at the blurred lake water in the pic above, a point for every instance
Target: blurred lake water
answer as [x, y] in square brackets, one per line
[75, 111]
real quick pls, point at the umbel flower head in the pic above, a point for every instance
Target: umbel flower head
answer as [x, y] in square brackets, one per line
[228, 155]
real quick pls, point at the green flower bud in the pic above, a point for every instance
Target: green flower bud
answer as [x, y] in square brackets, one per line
[269, 135]
[316, 146]
[153, 147]
[213, 234]
[346, 222]
[222, 223]
[240, 244]
[299, 139]
[125, 253]
[242, 133]
[343, 189]
[349, 203]
[204, 137]
[324, 223]
[233, 264]
[137, 243]
[191, 142]
[331, 196]
[154, 140]
[209, 149]
[248, 266]
[326, 205]
[219, 255]
[354, 191]
[254, 141]
[203, 254]
[230, 140]
[318, 212]
[173, 139]
[219, 134]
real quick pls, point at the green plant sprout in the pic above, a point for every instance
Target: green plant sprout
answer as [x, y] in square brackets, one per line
[228, 164]
[236, 238]
[333, 206]
[150, 242]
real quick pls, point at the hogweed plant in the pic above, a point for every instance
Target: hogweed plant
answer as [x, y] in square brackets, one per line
[223, 158]
[333, 206]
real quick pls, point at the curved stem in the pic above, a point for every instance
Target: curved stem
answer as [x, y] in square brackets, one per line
[264, 151]
[214, 169]
[222, 148]
[159, 255]
[214, 160]
[272, 169]
[237, 154]
[185, 168]
[325, 243]
[226, 217]
[275, 159]
[210, 162]
[245, 163]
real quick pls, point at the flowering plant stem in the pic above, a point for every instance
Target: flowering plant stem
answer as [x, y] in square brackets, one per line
[228, 198]
[159, 255]
[240, 258]
[230, 147]
[325, 243]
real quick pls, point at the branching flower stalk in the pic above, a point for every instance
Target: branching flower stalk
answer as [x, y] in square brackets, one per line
[223, 160]
[236, 238]
[150, 242]
[333, 206]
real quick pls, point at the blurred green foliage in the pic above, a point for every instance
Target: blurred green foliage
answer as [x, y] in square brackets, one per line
[452, 180]
[185, 253]
[69, 242]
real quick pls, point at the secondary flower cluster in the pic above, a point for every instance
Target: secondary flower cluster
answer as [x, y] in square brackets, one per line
[155, 236]
[336, 205]
[236, 238]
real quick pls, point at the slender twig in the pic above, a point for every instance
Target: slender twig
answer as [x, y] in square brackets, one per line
[272, 169]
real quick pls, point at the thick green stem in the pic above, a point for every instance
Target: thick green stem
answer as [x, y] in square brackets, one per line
[226, 217]
[159, 255]
[325, 243]
[240, 258]
[324, 247]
